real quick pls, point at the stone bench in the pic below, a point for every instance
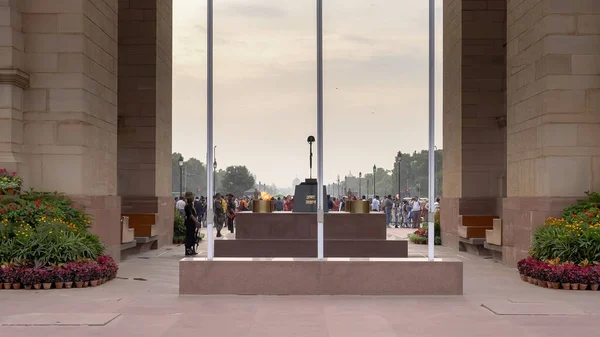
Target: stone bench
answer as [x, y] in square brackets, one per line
[494, 235]
[474, 226]
[127, 234]
[473, 246]
[144, 224]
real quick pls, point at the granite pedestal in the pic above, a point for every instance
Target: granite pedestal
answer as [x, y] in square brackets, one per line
[287, 234]
[281, 276]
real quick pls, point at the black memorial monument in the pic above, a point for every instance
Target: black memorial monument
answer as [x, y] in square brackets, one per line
[305, 196]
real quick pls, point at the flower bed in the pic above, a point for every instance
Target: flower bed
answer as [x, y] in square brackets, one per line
[565, 252]
[554, 275]
[420, 236]
[70, 275]
[45, 240]
[10, 183]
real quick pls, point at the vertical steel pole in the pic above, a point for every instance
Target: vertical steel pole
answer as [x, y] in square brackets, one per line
[320, 215]
[209, 131]
[431, 225]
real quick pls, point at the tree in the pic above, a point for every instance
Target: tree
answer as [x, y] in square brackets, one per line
[237, 180]
[194, 175]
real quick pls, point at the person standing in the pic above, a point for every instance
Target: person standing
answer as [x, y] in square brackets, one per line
[375, 205]
[416, 212]
[230, 212]
[180, 205]
[219, 214]
[191, 224]
[388, 204]
[279, 205]
[436, 206]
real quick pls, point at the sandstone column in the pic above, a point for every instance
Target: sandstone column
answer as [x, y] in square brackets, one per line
[13, 81]
[553, 113]
[474, 111]
[145, 95]
[70, 109]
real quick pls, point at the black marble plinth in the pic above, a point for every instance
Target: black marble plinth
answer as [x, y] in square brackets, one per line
[305, 197]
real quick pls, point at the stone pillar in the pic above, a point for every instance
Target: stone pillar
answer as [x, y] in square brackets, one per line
[70, 109]
[13, 81]
[474, 111]
[145, 96]
[553, 113]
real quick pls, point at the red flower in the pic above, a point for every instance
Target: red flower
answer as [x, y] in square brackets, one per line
[38, 203]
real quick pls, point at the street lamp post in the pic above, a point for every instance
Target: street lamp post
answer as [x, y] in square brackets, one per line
[338, 189]
[345, 185]
[399, 160]
[215, 170]
[181, 176]
[374, 172]
[360, 184]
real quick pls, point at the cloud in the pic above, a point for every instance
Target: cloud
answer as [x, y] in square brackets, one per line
[254, 10]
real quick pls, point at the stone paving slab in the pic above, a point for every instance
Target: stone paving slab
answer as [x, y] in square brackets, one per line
[531, 309]
[57, 319]
[153, 308]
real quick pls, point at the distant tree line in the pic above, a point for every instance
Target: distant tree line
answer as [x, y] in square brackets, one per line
[413, 178]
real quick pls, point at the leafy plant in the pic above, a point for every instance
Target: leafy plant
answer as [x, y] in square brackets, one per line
[178, 228]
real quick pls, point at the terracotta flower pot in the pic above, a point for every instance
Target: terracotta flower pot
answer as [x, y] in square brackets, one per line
[79, 284]
[59, 285]
[47, 285]
[7, 285]
[583, 286]
[16, 285]
[555, 285]
[529, 279]
[574, 286]
[85, 283]
[68, 285]
[594, 287]
[94, 283]
[566, 286]
[544, 284]
[523, 278]
[37, 286]
[27, 287]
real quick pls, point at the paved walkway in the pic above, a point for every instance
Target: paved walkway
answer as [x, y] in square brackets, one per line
[144, 301]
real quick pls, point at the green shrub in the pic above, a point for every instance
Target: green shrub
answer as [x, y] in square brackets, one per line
[574, 212]
[178, 228]
[566, 241]
[41, 229]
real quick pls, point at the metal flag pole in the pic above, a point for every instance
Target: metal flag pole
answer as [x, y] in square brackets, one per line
[430, 215]
[209, 132]
[320, 215]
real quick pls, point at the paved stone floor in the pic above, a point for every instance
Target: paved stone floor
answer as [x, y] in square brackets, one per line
[144, 301]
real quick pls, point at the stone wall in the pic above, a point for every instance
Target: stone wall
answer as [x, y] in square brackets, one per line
[553, 113]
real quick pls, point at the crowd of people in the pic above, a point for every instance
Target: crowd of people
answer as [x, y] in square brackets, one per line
[405, 213]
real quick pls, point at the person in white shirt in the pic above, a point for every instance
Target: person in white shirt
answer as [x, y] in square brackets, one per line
[375, 205]
[416, 212]
[180, 205]
[436, 205]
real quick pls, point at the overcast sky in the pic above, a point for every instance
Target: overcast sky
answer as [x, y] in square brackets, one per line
[376, 68]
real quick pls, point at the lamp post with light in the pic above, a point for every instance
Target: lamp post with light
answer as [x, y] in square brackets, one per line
[399, 161]
[215, 170]
[180, 176]
[360, 185]
[374, 172]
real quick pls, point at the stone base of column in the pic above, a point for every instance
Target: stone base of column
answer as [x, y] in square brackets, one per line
[106, 220]
[163, 206]
[451, 208]
[520, 217]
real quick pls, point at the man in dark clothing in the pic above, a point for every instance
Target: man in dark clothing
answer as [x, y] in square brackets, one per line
[200, 207]
[230, 212]
[279, 205]
[329, 203]
[191, 223]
